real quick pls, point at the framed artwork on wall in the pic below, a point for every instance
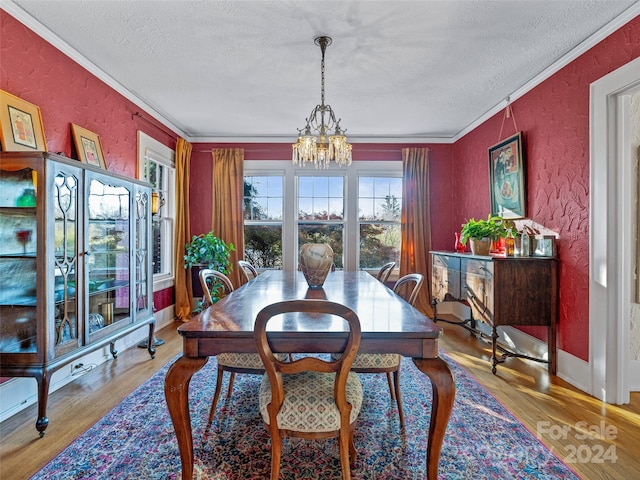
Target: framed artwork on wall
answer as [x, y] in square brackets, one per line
[88, 146]
[507, 178]
[21, 126]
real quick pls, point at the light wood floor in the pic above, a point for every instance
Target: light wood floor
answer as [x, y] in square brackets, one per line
[545, 404]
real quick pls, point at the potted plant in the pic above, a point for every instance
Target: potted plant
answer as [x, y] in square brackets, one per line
[206, 251]
[482, 232]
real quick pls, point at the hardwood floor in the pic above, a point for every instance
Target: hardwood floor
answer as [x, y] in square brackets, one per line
[561, 415]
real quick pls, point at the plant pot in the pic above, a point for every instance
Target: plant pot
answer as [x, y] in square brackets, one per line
[480, 246]
[315, 261]
[196, 286]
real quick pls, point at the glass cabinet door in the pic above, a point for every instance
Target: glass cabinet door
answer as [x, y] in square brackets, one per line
[18, 245]
[142, 245]
[65, 198]
[108, 263]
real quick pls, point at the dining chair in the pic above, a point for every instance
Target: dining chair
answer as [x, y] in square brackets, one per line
[389, 363]
[227, 362]
[312, 397]
[385, 272]
[248, 271]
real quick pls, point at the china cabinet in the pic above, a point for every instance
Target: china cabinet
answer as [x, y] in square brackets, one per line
[74, 264]
[499, 290]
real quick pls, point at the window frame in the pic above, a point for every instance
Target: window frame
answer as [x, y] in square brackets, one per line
[163, 155]
[290, 193]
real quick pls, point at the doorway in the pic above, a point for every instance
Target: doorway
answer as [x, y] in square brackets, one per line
[613, 230]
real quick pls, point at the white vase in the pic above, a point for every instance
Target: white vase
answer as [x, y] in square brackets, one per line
[315, 260]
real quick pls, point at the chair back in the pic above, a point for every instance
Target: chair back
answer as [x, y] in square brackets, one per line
[275, 367]
[211, 280]
[248, 271]
[403, 289]
[385, 271]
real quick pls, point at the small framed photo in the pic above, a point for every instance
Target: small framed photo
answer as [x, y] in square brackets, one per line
[507, 178]
[88, 146]
[21, 126]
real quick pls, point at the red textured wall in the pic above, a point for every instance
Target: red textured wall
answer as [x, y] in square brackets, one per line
[66, 93]
[555, 120]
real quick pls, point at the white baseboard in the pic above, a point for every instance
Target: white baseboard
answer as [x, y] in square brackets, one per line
[19, 393]
[575, 371]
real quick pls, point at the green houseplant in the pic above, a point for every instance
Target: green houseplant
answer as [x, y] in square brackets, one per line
[207, 251]
[482, 232]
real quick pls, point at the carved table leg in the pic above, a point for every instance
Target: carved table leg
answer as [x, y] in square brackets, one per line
[444, 392]
[176, 392]
[112, 349]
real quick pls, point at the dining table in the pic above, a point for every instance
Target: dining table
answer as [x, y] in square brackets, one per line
[388, 325]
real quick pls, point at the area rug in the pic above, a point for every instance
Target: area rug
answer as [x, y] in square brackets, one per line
[136, 439]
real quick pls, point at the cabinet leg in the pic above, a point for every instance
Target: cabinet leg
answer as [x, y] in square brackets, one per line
[43, 396]
[494, 358]
[151, 346]
[112, 349]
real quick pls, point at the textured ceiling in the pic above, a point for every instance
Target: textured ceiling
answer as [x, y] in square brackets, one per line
[223, 70]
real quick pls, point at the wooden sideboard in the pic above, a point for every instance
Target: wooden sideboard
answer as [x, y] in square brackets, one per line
[500, 291]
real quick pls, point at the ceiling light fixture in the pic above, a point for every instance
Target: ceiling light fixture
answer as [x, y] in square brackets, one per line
[322, 147]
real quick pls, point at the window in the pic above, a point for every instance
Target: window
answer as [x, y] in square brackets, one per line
[356, 210]
[156, 164]
[379, 220]
[321, 213]
[263, 216]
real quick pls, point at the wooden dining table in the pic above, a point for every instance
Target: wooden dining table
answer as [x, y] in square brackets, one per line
[388, 324]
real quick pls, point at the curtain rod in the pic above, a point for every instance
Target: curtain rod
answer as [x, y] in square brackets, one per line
[153, 123]
[259, 150]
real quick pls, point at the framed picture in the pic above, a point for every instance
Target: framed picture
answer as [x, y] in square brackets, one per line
[507, 178]
[88, 146]
[20, 125]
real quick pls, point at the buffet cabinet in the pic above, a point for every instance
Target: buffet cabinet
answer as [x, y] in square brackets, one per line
[75, 269]
[500, 291]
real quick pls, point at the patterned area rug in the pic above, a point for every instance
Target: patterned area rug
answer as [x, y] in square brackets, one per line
[136, 439]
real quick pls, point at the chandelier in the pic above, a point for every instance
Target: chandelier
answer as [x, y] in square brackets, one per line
[323, 146]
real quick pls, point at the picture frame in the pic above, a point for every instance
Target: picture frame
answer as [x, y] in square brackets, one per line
[507, 180]
[88, 146]
[21, 128]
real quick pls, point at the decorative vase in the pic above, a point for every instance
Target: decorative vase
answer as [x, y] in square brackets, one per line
[315, 260]
[480, 246]
[460, 248]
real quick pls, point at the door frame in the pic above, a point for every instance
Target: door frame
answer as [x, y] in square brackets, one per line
[613, 185]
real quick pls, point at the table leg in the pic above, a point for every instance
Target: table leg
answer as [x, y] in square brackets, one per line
[444, 392]
[176, 392]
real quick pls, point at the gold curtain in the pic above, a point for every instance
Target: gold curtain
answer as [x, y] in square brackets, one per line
[416, 221]
[182, 282]
[228, 193]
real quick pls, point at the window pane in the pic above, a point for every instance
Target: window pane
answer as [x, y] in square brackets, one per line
[263, 245]
[379, 244]
[263, 198]
[331, 234]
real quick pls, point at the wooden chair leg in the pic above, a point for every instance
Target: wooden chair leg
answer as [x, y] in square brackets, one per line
[216, 395]
[396, 381]
[231, 379]
[345, 448]
[390, 382]
[276, 452]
